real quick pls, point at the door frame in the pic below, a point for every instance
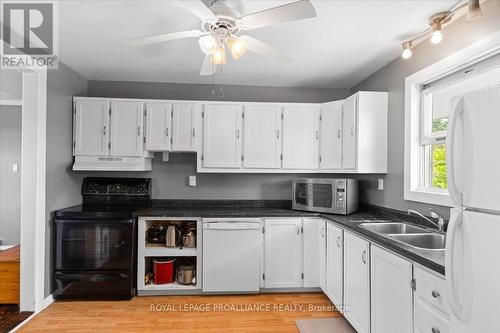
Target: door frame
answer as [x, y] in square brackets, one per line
[33, 177]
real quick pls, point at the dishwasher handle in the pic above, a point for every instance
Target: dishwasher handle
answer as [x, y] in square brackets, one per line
[232, 226]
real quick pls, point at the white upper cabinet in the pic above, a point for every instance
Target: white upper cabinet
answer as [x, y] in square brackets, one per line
[261, 136]
[184, 127]
[300, 137]
[357, 282]
[127, 124]
[391, 292]
[331, 136]
[349, 125]
[158, 126]
[282, 248]
[222, 136]
[334, 264]
[312, 252]
[91, 128]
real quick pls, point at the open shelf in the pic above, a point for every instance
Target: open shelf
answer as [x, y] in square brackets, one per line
[171, 286]
[162, 251]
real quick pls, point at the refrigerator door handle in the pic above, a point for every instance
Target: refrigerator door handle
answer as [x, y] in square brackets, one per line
[456, 307]
[455, 194]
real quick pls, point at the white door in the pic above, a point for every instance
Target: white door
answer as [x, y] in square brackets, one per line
[472, 271]
[91, 127]
[331, 136]
[312, 251]
[261, 136]
[477, 162]
[357, 282]
[335, 265]
[322, 255]
[300, 137]
[282, 244]
[391, 292]
[127, 123]
[158, 128]
[222, 136]
[184, 127]
[349, 129]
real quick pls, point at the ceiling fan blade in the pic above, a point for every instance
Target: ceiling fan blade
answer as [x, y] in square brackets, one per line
[208, 68]
[261, 48]
[291, 12]
[198, 8]
[165, 37]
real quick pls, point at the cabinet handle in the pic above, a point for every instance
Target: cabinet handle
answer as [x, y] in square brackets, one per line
[104, 130]
[317, 135]
[277, 134]
[298, 230]
[166, 131]
[237, 134]
[352, 130]
[139, 130]
[435, 294]
[435, 330]
[338, 241]
[322, 232]
[193, 132]
[363, 256]
[338, 133]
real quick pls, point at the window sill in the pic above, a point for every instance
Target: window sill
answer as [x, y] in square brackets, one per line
[434, 198]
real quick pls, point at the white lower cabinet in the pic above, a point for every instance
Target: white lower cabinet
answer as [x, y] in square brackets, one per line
[311, 241]
[391, 292]
[282, 248]
[334, 265]
[357, 282]
[322, 255]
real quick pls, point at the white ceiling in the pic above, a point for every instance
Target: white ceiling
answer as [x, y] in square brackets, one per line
[346, 42]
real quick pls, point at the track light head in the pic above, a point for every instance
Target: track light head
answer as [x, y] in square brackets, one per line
[407, 50]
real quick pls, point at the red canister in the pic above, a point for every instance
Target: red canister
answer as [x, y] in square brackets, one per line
[163, 271]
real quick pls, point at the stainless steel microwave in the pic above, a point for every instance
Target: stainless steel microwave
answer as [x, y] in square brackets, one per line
[326, 195]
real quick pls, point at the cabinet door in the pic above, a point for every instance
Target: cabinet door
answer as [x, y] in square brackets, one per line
[158, 128]
[322, 255]
[222, 136]
[391, 293]
[127, 120]
[91, 127]
[331, 136]
[312, 249]
[184, 127]
[282, 253]
[349, 129]
[262, 136]
[334, 264]
[300, 137]
[357, 282]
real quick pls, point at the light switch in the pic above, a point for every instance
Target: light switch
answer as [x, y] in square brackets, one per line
[15, 167]
[192, 181]
[381, 184]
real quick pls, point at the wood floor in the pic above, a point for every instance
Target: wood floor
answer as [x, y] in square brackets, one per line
[173, 315]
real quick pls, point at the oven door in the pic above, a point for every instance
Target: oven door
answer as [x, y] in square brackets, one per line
[94, 245]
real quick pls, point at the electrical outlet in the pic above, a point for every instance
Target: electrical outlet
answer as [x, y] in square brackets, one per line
[192, 181]
[380, 184]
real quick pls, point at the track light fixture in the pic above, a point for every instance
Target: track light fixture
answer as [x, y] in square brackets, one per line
[436, 23]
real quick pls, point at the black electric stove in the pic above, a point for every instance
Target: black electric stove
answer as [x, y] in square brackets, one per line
[95, 243]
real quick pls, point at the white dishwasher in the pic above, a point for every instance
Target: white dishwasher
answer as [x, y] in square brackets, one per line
[232, 251]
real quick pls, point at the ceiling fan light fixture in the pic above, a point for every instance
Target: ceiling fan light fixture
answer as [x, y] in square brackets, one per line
[208, 44]
[237, 46]
[219, 56]
[474, 11]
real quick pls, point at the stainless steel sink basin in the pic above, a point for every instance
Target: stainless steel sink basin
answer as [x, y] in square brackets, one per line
[427, 241]
[393, 228]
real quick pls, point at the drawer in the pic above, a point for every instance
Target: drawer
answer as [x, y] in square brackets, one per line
[429, 321]
[432, 289]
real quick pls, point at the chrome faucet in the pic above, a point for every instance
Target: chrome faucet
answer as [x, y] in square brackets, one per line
[440, 224]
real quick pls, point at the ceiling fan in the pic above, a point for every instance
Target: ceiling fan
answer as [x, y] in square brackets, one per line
[221, 26]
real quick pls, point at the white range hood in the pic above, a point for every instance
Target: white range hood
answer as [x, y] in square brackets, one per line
[96, 163]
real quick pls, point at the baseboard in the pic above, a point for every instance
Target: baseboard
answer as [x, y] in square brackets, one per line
[46, 302]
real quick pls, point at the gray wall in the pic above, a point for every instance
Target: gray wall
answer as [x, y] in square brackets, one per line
[204, 92]
[62, 185]
[10, 182]
[391, 78]
[10, 83]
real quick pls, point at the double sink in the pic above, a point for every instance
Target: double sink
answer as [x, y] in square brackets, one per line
[411, 235]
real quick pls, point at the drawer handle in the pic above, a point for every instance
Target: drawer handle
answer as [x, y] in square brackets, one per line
[435, 294]
[435, 330]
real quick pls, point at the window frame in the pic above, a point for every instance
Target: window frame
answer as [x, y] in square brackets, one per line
[414, 118]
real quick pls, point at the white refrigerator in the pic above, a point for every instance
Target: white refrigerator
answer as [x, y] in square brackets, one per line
[473, 239]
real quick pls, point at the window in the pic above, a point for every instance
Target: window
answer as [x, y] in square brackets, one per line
[429, 98]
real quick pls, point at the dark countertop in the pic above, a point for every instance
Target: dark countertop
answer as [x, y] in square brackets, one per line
[274, 208]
